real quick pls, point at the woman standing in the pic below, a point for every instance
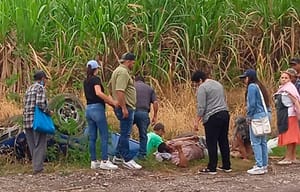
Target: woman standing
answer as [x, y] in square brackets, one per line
[287, 121]
[256, 110]
[96, 117]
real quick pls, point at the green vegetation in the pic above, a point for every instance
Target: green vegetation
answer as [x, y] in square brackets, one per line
[280, 152]
[170, 37]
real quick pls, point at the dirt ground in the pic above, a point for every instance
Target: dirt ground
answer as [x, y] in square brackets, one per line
[279, 178]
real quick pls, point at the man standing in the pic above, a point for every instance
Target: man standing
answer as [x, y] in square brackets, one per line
[145, 95]
[124, 92]
[212, 110]
[295, 64]
[37, 142]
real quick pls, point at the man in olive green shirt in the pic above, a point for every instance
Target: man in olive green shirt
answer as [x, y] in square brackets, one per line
[124, 92]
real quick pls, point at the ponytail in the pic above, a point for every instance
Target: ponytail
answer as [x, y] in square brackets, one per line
[89, 72]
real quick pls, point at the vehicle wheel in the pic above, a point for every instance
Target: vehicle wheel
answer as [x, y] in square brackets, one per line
[9, 129]
[68, 108]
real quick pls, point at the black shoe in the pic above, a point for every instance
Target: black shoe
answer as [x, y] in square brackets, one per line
[38, 172]
[225, 170]
[207, 171]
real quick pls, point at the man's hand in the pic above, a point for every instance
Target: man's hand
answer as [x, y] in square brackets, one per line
[125, 112]
[196, 123]
[115, 104]
[196, 127]
[154, 120]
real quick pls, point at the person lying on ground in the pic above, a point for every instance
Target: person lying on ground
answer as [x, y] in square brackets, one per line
[179, 150]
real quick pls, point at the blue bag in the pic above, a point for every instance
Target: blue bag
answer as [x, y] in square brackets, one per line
[42, 122]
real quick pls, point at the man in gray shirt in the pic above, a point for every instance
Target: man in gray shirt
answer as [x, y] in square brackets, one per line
[145, 95]
[212, 110]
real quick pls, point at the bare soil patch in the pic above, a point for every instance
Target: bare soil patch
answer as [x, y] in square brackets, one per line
[279, 178]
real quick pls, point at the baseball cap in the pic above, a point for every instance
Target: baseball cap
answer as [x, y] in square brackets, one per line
[38, 75]
[249, 73]
[127, 57]
[290, 71]
[93, 63]
[294, 61]
[159, 126]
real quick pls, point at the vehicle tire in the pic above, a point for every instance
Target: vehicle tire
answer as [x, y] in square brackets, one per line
[68, 107]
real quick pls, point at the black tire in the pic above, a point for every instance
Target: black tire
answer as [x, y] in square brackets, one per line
[21, 147]
[68, 107]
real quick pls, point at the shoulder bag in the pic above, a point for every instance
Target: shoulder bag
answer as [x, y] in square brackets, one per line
[262, 125]
[42, 122]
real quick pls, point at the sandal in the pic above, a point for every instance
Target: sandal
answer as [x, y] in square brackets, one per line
[296, 161]
[207, 171]
[284, 162]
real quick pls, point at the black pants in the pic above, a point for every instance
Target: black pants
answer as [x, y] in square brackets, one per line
[216, 132]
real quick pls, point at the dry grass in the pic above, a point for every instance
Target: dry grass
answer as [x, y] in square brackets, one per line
[8, 109]
[177, 110]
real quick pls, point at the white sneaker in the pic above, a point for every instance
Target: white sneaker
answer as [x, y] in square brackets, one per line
[256, 170]
[131, 165]
[265, 169]
[95, 164]
[107, 165]
[117, 160]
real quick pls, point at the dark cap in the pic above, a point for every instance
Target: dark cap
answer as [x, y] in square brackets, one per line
[127, 57]
[159, 126]
[295, 61]
[38, 75]
[249, 73]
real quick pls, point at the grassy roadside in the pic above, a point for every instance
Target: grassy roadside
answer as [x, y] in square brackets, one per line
[10, 167]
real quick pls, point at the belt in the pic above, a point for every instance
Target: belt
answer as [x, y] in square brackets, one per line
[142, 109]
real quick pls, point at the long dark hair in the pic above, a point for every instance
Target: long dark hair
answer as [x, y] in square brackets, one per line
[89, 72]
[261, 87]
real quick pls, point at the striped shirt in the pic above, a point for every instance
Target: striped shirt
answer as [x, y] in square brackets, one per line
[35, 95]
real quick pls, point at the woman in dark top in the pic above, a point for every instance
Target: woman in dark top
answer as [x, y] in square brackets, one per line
[96, 117]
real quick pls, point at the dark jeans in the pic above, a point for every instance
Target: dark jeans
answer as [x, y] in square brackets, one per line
[142, 121]
[216, 132]
[125, 131]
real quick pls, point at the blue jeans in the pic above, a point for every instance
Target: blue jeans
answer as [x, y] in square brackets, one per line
[96, 119]
[260, 149]
[125, 131]
[142, 121]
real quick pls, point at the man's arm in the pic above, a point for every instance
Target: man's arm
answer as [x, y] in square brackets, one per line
[194, 137]
[183, 162]
[155, 110]
[121, 101]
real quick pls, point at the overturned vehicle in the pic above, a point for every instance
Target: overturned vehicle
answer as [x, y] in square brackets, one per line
[69, 123]
[71, 131]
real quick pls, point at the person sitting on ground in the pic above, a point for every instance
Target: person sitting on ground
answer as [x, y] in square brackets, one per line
[179, 150]
[241, 140]
[154, 139]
